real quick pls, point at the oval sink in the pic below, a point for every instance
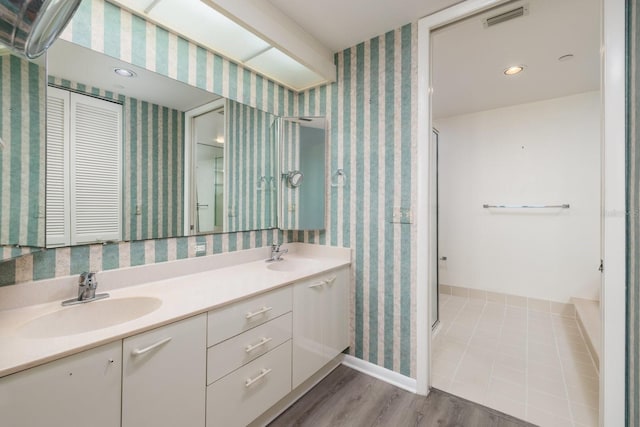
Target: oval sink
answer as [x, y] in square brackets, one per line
[87, 317]
[292, 264]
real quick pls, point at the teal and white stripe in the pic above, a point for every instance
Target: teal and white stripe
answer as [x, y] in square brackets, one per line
[249, 156]
[153, 157]
[22, 97]
[50, 263]
[370, 110]
[154, 179]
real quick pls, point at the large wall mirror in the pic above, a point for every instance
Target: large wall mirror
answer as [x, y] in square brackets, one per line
[303, 174]
[22, 152]
[134, 155]
[143, 156]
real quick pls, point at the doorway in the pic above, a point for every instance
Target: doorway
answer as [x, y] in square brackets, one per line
[612, 363]
[205, 133]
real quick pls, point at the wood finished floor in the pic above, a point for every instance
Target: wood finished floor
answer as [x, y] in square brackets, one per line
[349, 398]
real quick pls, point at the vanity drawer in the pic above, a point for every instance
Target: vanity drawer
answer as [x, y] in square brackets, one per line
[234, 319]
[235, 352]
[243, 395]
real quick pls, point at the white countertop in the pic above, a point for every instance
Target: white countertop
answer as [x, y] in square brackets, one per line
[183, 296]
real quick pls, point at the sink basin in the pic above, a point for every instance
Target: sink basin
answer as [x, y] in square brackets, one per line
[292, 264]
[89, 317]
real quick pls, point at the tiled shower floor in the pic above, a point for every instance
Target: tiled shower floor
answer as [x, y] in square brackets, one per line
[529, 364]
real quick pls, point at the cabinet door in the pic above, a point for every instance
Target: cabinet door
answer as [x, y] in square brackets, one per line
[79, 390]
[164, 373]
[336, 320]
[308, 314]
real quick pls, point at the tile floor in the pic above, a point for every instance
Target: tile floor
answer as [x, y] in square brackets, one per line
[533, 365]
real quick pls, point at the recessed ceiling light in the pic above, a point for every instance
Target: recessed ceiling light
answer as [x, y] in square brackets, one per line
[514, 70]
[123, 72]
[566, 57]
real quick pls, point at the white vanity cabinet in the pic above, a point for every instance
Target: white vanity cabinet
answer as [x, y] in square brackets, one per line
[80, 390]
[163, 375]
[320, 322]
[249, 361]
[237, 364]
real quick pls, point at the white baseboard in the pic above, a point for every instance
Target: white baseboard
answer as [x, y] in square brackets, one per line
[384, 374]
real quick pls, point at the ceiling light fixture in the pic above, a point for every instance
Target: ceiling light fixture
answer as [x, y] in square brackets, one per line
[123, 72]
[513, 70]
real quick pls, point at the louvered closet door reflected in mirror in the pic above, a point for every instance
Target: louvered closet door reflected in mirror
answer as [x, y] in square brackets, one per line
[84, 191]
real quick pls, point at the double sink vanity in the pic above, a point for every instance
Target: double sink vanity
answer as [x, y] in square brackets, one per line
[220, 340]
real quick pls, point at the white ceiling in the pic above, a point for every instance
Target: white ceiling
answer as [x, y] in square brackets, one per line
[339, 24]
[70, 61]
[468, 59]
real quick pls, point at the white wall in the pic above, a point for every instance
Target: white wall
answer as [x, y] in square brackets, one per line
[545, 152]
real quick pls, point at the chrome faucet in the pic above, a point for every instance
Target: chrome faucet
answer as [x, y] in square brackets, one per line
[87, 285]
[276, 253]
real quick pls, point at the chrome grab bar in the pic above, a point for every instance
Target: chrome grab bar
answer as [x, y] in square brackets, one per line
[563, 206]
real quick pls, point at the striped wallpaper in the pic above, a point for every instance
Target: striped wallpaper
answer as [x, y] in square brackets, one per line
[250, 168]
[50, 263]
[153, 161]
[372, 137]
[370, 111]
[633, 217]
[22, 98]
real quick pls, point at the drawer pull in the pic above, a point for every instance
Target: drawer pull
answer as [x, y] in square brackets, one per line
[138, 352]
[250, 381]
[262, 342]
[330, 280]
[318, 284]
[261, 311]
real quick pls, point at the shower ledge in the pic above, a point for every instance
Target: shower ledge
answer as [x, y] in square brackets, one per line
[590, 323]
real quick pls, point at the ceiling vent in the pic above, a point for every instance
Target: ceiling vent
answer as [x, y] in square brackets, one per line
[506, 16]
